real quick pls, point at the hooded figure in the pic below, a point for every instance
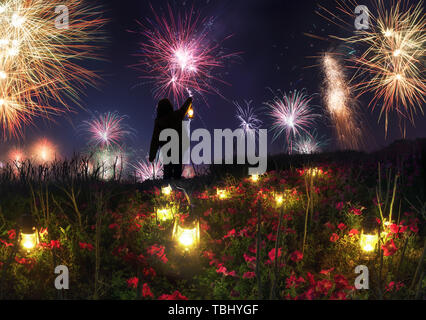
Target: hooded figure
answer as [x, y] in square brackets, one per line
[168, 118]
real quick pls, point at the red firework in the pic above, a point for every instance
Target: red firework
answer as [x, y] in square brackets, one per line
[178, 56]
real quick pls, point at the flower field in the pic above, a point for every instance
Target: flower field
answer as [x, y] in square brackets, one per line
[293, 233]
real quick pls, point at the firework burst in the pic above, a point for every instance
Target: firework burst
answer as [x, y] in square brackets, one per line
[292, 115]
[110, 163]
[391, 64]
[146, 170]
[340, 105]
[309, 144]
[107, 130]
[16, 155]
[44, 151]
[247, 118]
[38, 59]
[178, 57]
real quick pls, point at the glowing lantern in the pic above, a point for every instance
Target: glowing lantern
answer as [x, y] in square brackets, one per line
[190, 112]
[222, 194]
[368, 242]
[254, 178]
[29, 233]
[165, 214]
[167, 191]
[186, 236]
[279, 199]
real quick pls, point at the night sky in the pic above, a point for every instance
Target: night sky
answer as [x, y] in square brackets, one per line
[275, 54]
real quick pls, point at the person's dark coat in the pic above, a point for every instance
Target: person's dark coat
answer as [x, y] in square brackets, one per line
[167, 118]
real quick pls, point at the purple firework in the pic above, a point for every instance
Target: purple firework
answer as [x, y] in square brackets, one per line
[292, 115]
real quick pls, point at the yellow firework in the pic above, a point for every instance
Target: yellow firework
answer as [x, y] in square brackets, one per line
[39, 55]
[340, 103]
[391, 65]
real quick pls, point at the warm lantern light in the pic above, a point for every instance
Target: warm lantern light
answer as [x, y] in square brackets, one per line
[187, 236]
[190, 112]
[164, 214]
[314, 172]
[368, 242]
[29, 234]
[222, 194]
[254, 178]
[28, 241]
[167, 191]
[279, 199]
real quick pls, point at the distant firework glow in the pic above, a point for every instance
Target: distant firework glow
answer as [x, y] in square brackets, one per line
[44, 151]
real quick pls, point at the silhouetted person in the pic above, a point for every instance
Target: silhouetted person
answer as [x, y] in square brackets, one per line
[168, 118]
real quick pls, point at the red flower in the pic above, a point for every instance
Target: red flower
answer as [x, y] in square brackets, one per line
[6, 243]
[249, 275]
[175, 296]
[296, 256]
[113, 226]
[326, 271]
[231, 233]
[389, 248]
[339, 205]
[341, 226]
[356, 211]
[12, 234]
[158, 250]
[132, 282]
[271, 254]
[208, 254]
[353, 232]
[340, 281]
[87, 246]
[329, 225]
[55, 244]
[397, 229]
[146, 291]
[334, 237]
[323, 286]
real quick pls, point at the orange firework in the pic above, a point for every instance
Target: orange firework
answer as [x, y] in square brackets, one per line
[340, 105]
[16, 155]
[44, 151]
[40, 46]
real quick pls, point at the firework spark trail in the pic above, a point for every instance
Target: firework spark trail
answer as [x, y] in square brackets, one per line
[38, 61]
[247, 118]
[292, 115]
[391, 66]
[340, 105]
[107, 130]
[146, 170]
[179, 58]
